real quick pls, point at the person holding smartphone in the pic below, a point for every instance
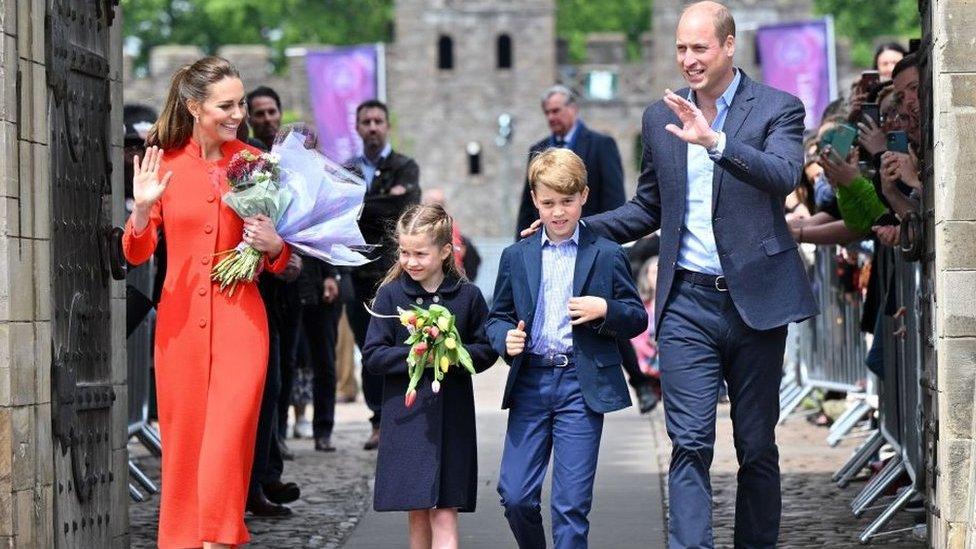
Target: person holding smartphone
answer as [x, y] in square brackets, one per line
[899, 172]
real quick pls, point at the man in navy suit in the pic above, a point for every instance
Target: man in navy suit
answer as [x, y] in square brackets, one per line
[604, 171]
[719, 157]
[561, 301]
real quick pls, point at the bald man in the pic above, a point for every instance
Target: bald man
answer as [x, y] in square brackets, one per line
[719, 158]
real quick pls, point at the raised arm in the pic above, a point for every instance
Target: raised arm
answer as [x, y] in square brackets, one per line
[642, 214]
[141, 229]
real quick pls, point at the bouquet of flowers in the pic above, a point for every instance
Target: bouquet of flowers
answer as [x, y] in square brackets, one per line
[255, 188]
[313, 202]
[434, 343]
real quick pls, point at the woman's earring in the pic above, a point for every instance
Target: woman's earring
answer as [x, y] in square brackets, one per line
[197, 119]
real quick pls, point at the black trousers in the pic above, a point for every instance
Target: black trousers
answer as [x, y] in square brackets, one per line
[363, 292]
[321, 326]
[268, 464]
[316, 327]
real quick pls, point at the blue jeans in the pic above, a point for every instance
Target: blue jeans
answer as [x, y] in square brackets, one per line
[548, 416]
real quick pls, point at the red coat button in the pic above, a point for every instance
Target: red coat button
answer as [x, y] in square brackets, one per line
[211, 198]
[208, 228]
[202, 291]
[203, 322]
[205, 260]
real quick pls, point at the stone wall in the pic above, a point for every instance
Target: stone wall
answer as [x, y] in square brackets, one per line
[954, 268]
[26, 452]
[437, 113]
[27, 449]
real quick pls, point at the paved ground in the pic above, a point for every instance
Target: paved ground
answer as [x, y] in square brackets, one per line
[816, 514]
[626, 511]
[628, 507]
[335, 489]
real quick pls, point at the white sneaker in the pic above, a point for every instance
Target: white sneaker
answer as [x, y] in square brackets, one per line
[303, 428]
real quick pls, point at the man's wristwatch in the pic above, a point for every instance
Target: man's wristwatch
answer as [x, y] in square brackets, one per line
[716, 150]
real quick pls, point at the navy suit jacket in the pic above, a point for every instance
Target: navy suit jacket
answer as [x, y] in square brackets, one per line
[601, 270]
[759, 167]
[604, 175]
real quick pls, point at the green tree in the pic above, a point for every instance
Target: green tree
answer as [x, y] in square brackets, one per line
[864, 21]
[278, 23]
[577, 18]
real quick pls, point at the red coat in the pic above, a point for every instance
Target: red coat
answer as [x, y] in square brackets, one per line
[211, 353]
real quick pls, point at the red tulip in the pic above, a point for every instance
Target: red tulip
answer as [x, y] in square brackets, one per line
[420, 348]
[410, 398]
[434, 332]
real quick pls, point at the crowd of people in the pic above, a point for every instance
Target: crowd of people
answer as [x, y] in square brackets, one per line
[861, 192]
[226, 427]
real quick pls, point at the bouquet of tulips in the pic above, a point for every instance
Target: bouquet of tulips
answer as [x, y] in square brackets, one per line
[434, 343]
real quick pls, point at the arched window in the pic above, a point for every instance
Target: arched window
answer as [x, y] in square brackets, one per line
[445, 53]
[503, 51]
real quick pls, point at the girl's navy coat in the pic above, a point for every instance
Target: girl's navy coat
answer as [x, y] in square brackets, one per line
[428, 452]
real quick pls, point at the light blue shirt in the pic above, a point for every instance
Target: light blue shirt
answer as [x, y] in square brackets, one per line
[551, 331]
[569, 138]
[369, 169]
[698, 251]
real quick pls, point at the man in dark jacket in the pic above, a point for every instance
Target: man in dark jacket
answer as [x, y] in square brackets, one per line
[605, 174]
[393, 185]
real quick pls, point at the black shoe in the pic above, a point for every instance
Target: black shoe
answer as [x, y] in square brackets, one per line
[281, 492]
[259, 506]
[324, 444]
[374, 440]
[646, 398]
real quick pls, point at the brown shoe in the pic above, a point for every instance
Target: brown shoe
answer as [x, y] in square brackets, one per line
[374, 440]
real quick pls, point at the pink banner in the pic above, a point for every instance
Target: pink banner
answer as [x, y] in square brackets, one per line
[338, 81]
[799, 58]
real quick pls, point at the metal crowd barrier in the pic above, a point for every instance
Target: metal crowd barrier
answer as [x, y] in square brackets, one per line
[901, 401]
[139, 350]
[828, 352]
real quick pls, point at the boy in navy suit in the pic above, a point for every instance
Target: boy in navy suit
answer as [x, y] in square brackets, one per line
[562, 299]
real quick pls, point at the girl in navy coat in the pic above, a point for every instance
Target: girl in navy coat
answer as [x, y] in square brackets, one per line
[427, 462]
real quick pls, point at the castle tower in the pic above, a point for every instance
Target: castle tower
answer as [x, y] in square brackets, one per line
[455, 67]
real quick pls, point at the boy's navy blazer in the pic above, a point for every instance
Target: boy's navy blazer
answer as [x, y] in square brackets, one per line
[601, 270]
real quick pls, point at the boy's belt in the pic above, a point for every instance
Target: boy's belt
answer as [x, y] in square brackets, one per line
[556, 360]
[702, 279]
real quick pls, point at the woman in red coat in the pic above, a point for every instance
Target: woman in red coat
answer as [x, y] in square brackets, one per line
[211, 348]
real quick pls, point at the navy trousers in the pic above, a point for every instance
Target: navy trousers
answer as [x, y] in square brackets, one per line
[702, 341]
[548, 416]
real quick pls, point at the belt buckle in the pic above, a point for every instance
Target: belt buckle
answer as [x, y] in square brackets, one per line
[559, 360]
[720, 284]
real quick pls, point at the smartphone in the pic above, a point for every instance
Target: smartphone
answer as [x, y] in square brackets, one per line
[869, 79]
[825, 140]
[842, 140]
[898, 142]
[871, 110]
